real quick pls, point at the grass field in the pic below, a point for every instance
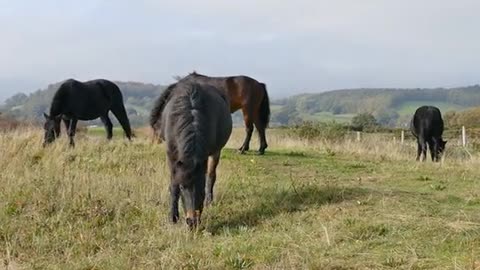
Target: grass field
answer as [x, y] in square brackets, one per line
[100, 131]
[304, 205]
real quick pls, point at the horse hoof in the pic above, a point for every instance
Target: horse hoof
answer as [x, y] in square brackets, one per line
[208, 201]
[174, 219]
[261, 153]
[243, 149]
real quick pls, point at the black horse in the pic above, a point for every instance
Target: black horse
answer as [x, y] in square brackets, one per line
[195, 124]
[427, 127]
[89, 100]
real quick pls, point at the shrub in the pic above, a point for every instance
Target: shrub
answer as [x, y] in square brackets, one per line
[8, 123]
[364, 121]
[319, 130]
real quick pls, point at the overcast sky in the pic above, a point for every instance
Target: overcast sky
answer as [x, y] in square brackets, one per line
[293, 46]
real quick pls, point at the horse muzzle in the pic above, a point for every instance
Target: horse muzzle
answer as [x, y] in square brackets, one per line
[193, 218]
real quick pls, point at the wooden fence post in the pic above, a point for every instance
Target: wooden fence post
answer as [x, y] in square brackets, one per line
[402, 138]
[358, 136]
[464, 137]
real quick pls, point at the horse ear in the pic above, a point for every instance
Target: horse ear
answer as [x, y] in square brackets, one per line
[46, 116]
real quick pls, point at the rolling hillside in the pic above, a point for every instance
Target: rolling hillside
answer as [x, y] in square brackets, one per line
[391, 107]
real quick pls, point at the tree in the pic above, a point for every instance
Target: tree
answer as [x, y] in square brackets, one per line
[363, 121]
[15, 100]
[387, 117]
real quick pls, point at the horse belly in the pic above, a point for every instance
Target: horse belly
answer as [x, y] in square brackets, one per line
[235, 107]
[86, 112]
[235, 99]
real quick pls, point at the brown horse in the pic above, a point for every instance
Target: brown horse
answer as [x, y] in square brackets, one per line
[247, 94]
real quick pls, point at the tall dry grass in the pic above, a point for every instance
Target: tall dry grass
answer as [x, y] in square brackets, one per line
[377, 146]
[306, 204]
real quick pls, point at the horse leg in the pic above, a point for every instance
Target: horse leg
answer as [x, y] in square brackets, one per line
[108, 126]
[57, 127]
[121, 115]
[423, 145]
[213, 161]
[71, 131]
[262, 137]
[174, 196]
[248, 130]
[66, 123]
[419, 150]
[433, 149]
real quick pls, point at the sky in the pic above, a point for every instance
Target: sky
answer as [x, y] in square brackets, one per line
[293, 46]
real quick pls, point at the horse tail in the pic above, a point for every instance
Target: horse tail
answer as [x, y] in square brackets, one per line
[118, 107]
[264, 107]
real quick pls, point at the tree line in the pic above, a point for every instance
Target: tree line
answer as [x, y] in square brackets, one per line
[386, 106]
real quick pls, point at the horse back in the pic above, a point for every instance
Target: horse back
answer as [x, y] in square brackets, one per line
[218, 110]
[212, 111]
[244, 91]
[427, 122]
[85, 100]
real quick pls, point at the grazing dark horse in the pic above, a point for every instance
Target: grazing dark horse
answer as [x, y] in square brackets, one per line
[427, 127]
[247, 94]
[196, 125]
[89, 100]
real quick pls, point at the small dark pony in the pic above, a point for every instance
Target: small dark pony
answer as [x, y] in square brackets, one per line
[427, 127]
[196, 124]
[89, 100]
[243, 93]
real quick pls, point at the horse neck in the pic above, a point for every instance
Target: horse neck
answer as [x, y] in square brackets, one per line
[56, 107]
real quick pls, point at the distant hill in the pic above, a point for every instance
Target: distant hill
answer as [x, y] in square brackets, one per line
[390, 106]
[138, 98]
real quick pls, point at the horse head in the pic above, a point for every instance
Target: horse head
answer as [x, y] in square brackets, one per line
[51, 128]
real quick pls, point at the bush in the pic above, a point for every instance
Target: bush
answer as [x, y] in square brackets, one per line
[364, 121]
[319, 130]
[8, 123]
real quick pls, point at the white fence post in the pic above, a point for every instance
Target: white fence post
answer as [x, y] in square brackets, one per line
[464, 137]
[358, 136]
[402, 138]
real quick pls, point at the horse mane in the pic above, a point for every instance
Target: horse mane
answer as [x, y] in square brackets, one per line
[196, 74]
[190, 125]
[160, 103]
